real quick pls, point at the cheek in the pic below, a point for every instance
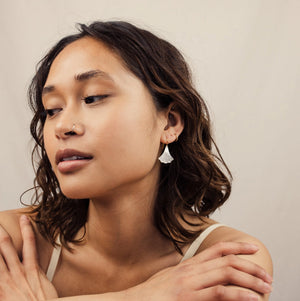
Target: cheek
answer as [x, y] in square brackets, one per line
[49, 146]
[129, 140]
[135, 131]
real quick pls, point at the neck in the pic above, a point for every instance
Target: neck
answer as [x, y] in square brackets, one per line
[121, 226]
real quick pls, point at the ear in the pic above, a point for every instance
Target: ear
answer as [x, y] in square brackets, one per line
[174, 126]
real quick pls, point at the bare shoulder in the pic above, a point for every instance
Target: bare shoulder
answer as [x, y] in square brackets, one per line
[225, 234]
[9, 220]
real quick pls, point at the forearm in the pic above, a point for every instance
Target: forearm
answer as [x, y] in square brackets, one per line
[201, 277]
[115, 296]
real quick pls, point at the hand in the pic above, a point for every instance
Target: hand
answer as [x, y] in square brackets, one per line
[214, 274]
[22, 281]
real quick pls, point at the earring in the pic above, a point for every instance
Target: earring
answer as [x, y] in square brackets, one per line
[166, 157]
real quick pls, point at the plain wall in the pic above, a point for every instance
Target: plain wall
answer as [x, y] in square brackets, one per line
[245, 60]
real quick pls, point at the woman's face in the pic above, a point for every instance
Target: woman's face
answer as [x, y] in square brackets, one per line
[118, 129]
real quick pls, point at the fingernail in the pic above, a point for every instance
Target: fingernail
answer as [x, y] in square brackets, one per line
[267, 287]
[254, 247]
[269, 278]
[253, 297]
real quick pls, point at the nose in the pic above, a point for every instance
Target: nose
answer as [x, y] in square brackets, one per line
[68, 125]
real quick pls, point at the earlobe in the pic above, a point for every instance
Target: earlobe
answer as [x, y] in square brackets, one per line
[170, 134]
[173, 128]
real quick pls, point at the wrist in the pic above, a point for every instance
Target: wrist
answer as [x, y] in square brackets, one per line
[134, 293]
[125, 295]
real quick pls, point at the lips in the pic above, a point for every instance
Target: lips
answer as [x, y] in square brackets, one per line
[71, 155]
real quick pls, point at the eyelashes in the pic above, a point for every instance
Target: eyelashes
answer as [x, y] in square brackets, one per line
[89, 100]
[94, 98]
[51, 112]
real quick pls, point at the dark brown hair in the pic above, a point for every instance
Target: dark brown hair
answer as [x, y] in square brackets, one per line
[192, 185]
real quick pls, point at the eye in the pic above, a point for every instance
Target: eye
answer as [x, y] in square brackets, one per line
[51, 112]
[94, 98]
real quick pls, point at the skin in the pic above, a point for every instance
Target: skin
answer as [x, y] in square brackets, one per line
[124, 133]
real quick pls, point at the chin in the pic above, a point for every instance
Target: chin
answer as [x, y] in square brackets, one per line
[72, 193]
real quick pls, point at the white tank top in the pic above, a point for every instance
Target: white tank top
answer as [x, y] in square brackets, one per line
[191, 251]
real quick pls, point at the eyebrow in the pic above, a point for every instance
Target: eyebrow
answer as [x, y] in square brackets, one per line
[92, 74]
[82, 77]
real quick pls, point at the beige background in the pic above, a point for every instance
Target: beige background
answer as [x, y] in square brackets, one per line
[245, 58]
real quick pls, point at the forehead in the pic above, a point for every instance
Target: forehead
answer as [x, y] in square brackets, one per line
[82, 55]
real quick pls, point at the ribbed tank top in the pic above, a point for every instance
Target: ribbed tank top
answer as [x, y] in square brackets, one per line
[191, 251]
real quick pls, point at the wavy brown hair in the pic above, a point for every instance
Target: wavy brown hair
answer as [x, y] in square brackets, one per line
[194, 184]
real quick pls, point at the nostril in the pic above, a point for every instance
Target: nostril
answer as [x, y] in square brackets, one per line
[70, 133]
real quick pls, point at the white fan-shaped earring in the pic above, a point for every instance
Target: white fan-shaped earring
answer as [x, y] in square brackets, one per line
[166, 157]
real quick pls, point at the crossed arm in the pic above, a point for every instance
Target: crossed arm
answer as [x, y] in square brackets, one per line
[217, 273]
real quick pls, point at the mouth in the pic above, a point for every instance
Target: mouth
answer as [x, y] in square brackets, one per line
[71, 155]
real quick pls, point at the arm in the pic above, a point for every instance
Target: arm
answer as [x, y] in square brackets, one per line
[262, 257]
[203, 277]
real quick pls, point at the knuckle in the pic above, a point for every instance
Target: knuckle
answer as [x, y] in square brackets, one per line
[221, 245]
[228, 273]
[231, 259]
[219, 292]
[5, 239]
[185, 269]
[30, 237]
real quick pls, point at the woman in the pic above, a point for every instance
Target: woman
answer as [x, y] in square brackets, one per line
[126, 179]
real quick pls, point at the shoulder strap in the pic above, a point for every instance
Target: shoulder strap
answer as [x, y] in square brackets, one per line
[198, 241]
[54, 261]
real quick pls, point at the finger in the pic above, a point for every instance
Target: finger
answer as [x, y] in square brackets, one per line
[238, 263]
[3, 267]
[29, 245]
[231, 276]
[222, 249]
[224, 293]
[9, 252]
[30, 256]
